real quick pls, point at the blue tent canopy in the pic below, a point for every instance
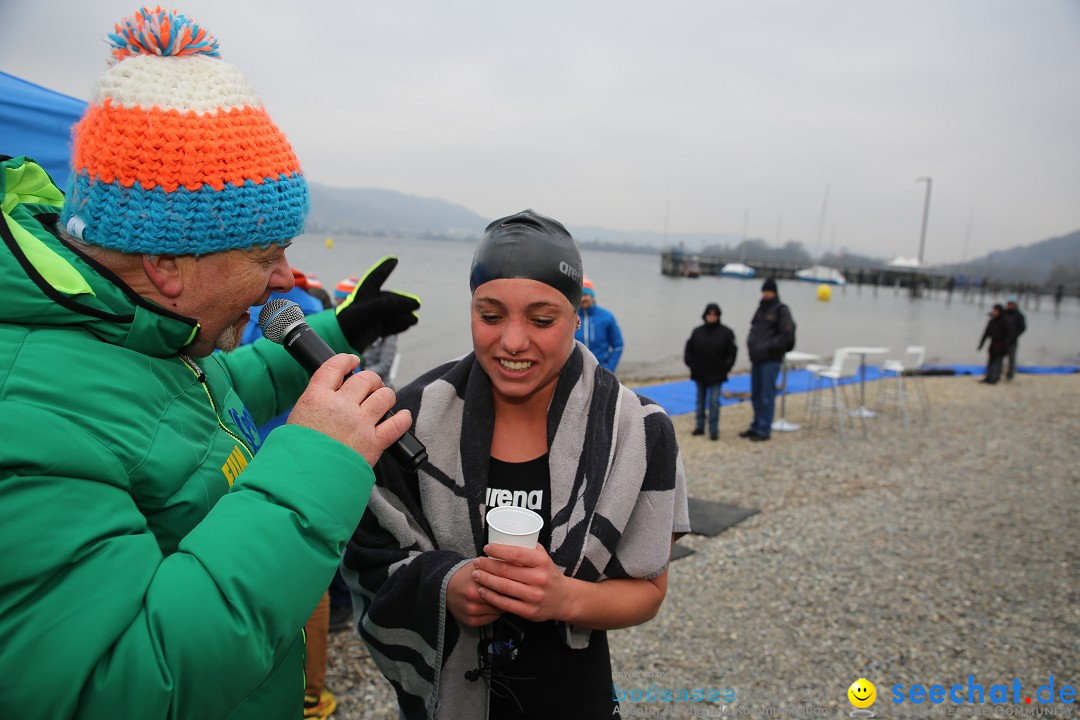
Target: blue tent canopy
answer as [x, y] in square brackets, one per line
[36, 122]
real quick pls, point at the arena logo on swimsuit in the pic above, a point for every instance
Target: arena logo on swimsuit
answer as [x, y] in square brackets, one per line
[532, 500]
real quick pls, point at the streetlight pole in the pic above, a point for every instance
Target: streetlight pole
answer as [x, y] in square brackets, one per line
[925, 216]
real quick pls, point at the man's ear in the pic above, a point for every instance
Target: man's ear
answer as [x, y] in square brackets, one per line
[166, 274]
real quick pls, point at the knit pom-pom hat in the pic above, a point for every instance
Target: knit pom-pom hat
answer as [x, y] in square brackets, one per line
[345, 287]
[176, 154]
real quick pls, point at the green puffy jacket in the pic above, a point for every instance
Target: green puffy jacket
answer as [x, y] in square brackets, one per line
[151, 565]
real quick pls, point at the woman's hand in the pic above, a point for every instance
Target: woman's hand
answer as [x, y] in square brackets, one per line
[523, 581]
[528, 584]
[465, 600]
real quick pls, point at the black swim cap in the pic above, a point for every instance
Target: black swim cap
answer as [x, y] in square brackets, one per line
[530, 246]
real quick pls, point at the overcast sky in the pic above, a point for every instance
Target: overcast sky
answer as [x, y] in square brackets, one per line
[708, 116]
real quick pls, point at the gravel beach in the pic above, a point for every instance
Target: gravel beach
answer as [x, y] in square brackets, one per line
[909, 557]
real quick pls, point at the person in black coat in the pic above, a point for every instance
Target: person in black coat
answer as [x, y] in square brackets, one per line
[710, 352]
[1016, 325]
[997, 332]
[772, 334]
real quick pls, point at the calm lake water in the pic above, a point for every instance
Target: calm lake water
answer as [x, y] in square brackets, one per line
[656, 313]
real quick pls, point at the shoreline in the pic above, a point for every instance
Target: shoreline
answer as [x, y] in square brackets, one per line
[914, 556]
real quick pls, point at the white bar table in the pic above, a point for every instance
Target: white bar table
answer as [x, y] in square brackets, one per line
[862, 352]
[791, 359]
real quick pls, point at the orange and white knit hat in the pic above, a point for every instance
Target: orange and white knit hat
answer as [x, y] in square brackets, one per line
[345, 287]
[176, 153]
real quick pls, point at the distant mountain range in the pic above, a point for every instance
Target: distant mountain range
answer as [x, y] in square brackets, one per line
[1052, 262]
[375, 211]
[387, 212]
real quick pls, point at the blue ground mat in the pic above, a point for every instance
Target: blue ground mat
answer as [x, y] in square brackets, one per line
[680, 397]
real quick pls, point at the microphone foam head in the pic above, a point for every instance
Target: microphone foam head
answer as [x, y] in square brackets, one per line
[277, 316]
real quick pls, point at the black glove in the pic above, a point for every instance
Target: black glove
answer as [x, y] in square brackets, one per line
[370, 313]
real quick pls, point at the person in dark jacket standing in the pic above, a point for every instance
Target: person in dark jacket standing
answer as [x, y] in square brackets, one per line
[772, 333]
[1016, 325]
[710, 352]
[997, 332]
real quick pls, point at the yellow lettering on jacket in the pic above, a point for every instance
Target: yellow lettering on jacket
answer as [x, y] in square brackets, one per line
[234, 465]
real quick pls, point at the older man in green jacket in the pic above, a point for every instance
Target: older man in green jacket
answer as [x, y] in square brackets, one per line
[152, 563]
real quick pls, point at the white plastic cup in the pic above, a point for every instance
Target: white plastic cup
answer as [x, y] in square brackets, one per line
[512, 525]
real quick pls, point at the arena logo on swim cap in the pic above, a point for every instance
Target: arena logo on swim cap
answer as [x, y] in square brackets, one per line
[570, 271]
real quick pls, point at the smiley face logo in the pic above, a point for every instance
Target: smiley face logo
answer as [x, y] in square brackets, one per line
[862, 693]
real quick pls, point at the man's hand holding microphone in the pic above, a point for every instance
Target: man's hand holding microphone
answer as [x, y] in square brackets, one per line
[351, 407]
[347, 407]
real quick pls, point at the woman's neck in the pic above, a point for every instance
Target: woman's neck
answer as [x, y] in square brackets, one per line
[520, 431]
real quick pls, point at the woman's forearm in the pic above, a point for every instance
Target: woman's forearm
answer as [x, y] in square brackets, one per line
[616, 603]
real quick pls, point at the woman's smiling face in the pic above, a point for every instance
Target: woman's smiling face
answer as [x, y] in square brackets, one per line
[523, 333]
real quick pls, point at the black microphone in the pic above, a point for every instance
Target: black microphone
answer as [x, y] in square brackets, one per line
[282, 321]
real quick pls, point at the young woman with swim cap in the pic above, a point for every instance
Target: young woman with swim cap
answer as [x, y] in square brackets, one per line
[457, 625]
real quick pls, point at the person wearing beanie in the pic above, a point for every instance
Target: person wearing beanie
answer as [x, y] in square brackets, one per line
[772, 333]
[598, 329]
[344, 287]
[1016, 324]
[473, 629]
[710, 354]
[997, 332]
[161, 559]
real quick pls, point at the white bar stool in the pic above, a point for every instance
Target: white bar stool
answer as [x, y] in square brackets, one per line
[904, 374]
[845, 364]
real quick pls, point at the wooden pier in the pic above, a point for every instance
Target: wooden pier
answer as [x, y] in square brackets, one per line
[917, 281]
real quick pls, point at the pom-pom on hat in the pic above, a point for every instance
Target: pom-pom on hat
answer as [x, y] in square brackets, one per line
[176, 153]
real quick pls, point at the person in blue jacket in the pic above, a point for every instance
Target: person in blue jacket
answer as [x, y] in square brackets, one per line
[598, 329]
[298, 294]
